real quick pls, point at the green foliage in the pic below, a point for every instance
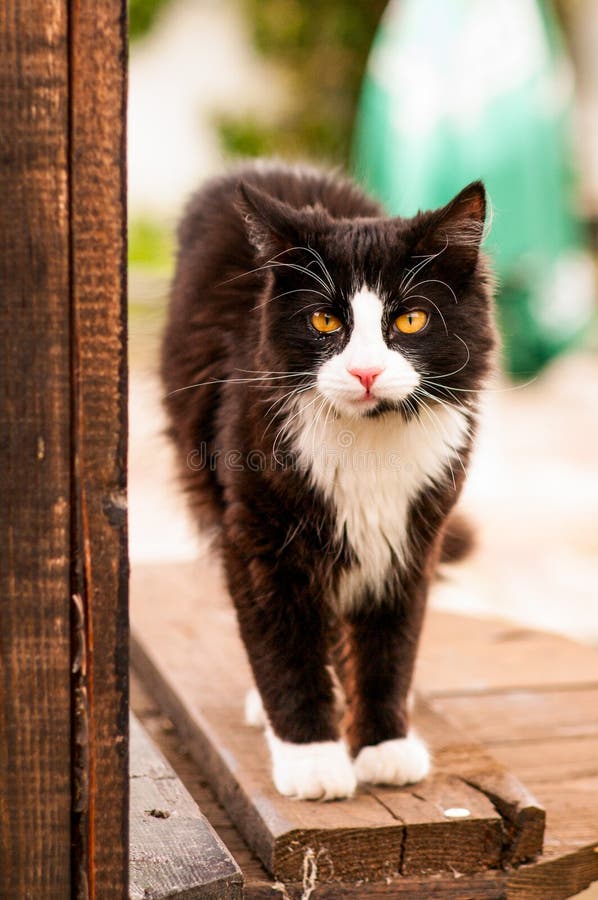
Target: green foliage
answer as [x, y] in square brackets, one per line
[150, 245]
[246, 137]
[321, 49]
[142, 14]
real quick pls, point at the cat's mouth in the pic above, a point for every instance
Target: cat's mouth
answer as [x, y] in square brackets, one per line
[370, 405]
[367, 400]
[363, 405]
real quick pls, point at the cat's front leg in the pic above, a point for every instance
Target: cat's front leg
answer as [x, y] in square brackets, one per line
[383, 643]
[284, 629]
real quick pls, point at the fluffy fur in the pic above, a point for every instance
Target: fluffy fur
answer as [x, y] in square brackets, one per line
[327, 464]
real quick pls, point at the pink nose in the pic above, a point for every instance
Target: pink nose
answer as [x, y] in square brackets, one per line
[366, 376]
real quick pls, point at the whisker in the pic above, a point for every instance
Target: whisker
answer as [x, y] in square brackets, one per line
[441, 429]
[435, 419]
[236, 381]
[285, 402]
[482, 390]
[327, 274]
[272, 263]
[303, 309]
[284, 429]
[433, 281]
[410, 275]
[270, 372]
[286, 293]
[315, 422]
[292, 534]
[460, 369]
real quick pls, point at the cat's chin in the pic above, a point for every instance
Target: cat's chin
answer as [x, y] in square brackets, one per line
[371, 409]
[358, 409]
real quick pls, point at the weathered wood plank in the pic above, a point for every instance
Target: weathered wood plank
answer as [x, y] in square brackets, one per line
[563, 870]
[573, 803]
[498, 656]
[173, 850]
[561, 873]
[364, 841]
[524, 818]
[545, 733]
[549, 761]
[35, 790]
[484, 886]
[532, 715]
[472, 844]
[98, 289]
[258, 884]
[189, 653]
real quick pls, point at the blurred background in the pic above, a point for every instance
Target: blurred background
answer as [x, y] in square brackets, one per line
[415, 98]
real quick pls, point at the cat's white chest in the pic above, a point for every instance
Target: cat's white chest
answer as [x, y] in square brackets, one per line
[371, 471]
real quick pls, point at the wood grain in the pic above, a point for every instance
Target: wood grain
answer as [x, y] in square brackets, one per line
[499, 656]
[467, 845]
[173, 850]
[63, 433]
[565, 867]
[189, 653]
[98, 292]
[258, 884]
[533, 715]
[547, 761]
[35, 451]
[448, 887]
[563, 872]
[456, 753]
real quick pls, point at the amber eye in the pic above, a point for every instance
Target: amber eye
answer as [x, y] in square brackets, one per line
[410, 322]
[325, 322]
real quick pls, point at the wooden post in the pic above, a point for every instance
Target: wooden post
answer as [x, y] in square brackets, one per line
[63, 562]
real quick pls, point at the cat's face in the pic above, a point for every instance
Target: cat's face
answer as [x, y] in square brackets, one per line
[376, 314]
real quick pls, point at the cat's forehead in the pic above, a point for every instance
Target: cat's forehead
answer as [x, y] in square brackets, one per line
[365, 237]
[372, 252]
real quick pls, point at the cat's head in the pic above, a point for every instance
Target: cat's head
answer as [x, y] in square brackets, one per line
[378, 314]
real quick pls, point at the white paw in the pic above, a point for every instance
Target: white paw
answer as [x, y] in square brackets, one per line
[255, 713]
[400, 761]
[318, 771]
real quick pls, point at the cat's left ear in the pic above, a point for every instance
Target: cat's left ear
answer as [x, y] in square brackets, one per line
[272, 226]
[456, 230]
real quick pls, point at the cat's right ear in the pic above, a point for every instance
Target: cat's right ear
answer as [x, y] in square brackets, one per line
[457, 228]
[272, 226]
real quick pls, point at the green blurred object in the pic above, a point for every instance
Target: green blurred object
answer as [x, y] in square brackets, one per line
[457, 90]
[318, 50]
[150, 245]
[142, 14]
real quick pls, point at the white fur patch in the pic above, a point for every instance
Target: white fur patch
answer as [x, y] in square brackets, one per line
[399, 761]
[372, 469]
[366, 349]
[318, 771]
[255, 714]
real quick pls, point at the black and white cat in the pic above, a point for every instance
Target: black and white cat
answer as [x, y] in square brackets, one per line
[327, 360]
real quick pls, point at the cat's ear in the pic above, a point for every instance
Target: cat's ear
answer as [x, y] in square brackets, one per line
[272, 226]
[456, 230]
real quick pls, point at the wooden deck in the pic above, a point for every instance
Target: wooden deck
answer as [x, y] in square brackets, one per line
[510, 715]
[173, 850]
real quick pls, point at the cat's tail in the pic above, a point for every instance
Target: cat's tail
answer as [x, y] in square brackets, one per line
[458, 540]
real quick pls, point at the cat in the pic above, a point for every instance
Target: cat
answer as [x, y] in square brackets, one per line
[322, 364]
